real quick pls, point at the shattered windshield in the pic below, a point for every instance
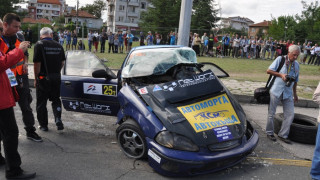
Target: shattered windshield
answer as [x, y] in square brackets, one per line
[156, 61]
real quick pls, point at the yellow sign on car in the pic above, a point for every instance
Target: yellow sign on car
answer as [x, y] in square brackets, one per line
[210, 113]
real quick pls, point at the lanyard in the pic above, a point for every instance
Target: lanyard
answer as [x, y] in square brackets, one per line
[6, 41]
[290, 65]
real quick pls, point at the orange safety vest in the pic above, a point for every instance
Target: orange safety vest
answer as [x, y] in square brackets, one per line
[18, 68]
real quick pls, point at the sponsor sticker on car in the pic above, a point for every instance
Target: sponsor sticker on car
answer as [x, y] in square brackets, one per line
[223, 133]
[143, 90]
[210, 113]
[100, 89]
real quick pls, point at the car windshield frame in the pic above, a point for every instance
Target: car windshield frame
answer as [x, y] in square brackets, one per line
[156, 61]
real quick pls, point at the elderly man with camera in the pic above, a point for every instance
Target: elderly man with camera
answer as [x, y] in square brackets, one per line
[284, 89]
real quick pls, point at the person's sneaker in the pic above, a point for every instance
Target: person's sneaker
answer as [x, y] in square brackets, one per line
[271, 137]
[286, 140]
[34, 136]
[2, 160]
[43, 128]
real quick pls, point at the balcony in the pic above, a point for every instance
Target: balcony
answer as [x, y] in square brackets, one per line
[134, 3]
[132, 14]
[110, 13]
[111, 2]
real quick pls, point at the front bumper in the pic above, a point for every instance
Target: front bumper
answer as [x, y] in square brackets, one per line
[170, 162]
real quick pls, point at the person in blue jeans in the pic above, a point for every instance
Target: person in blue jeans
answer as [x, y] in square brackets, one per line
[90, 40]
[315, 168]
[284, 89]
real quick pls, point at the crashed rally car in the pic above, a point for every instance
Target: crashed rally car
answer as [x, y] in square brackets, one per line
[171, 110]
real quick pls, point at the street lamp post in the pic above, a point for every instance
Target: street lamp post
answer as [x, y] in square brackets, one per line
[285, 32]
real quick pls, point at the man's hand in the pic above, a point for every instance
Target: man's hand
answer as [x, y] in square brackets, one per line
[25, 68]
[24, 45]
[35, 82]
[295, 98]
[283, 77]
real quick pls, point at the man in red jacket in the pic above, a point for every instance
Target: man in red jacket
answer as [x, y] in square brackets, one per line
[8, 125]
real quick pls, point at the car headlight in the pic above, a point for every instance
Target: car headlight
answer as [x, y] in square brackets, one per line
[175, 141]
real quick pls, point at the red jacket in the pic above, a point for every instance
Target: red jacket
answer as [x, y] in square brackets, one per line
[6, 61]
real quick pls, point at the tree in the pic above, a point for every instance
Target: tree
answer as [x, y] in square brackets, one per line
[163, 17]
[96, 8]
[204, 15]
[284, 27]
[310, 14]
[7, 7]
[309, 21]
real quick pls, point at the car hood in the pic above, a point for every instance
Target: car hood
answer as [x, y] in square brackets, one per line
[198, 107]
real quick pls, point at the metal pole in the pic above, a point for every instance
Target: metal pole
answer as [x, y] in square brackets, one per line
[77, 17]
[184, 23]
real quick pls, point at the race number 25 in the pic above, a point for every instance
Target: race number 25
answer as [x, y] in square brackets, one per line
[109, 90]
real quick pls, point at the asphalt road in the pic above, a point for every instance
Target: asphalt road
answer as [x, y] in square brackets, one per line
[87, 149]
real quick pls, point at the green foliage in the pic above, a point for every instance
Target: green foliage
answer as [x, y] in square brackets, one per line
[232, 31]
[204, 15]
[35, 28]
[96, 8]
[163, 18]
[284, 27]
[299, 27]
[260, 33]
[7, 7]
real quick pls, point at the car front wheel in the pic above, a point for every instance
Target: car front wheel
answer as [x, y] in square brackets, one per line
[132, 140]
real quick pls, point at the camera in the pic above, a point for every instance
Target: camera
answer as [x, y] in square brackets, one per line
[289, 80]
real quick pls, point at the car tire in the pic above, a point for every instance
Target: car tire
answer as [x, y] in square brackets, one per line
[303, 128]
[132, 140]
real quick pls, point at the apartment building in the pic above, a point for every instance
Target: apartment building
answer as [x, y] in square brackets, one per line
[125, 14]
[48, 9]
[237, 22]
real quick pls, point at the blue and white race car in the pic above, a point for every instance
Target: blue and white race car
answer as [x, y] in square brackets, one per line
[171, 110]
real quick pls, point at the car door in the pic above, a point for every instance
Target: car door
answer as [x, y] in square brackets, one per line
[87, 85]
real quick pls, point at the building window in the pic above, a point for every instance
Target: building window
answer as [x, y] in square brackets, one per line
[121, 8]
[121, 18]
[32, 10]
[132, 20]
[47, 11]
[143, 5]
[253, 30]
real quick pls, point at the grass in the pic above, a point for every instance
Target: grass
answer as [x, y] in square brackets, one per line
[239, 69]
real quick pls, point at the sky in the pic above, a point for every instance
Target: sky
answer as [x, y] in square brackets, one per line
[260, 10]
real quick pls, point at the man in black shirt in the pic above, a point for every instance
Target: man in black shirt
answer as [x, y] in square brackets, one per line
[49, 58]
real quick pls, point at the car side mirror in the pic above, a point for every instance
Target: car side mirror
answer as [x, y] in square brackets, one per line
[101, 73]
